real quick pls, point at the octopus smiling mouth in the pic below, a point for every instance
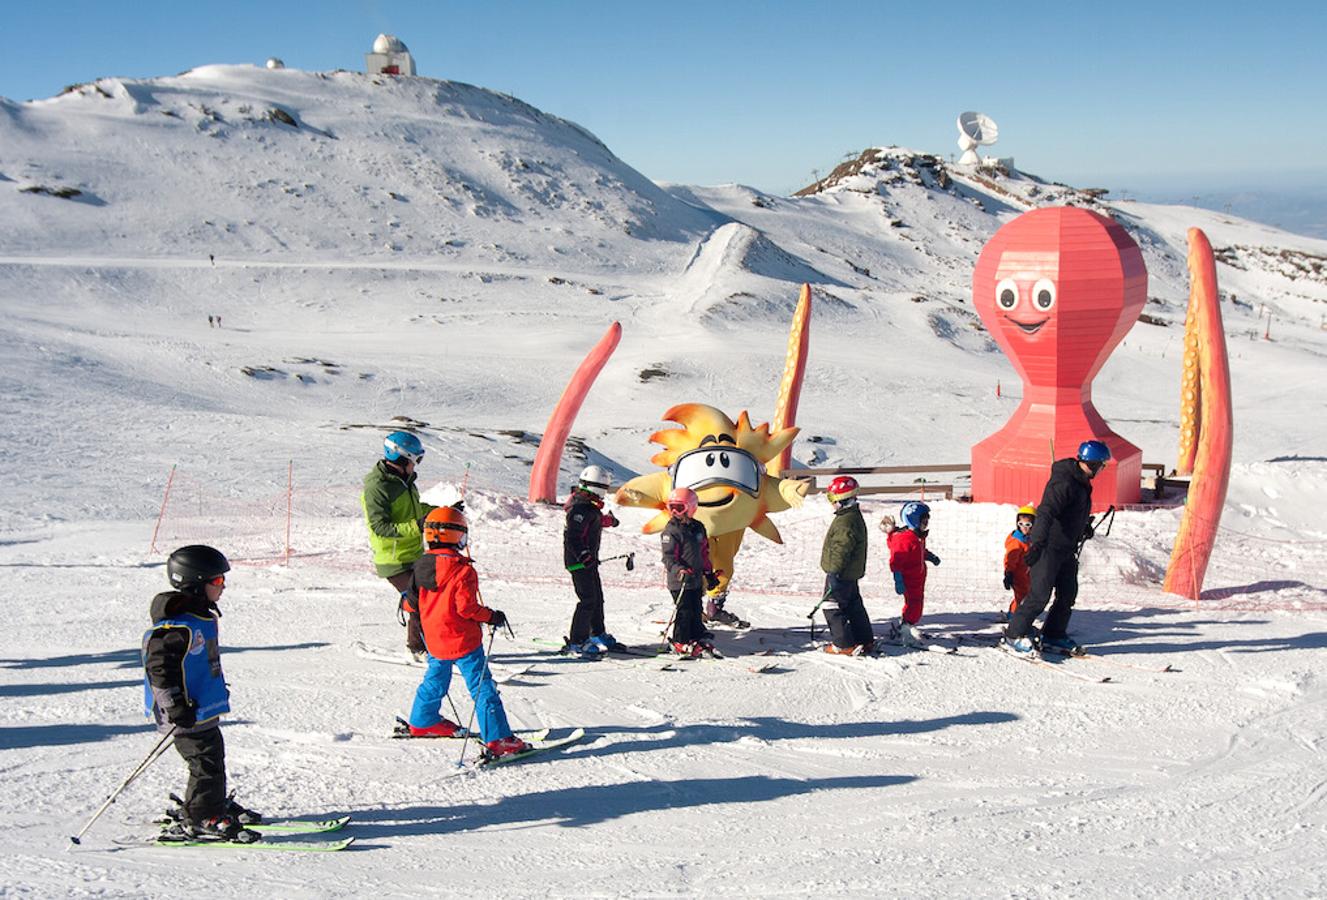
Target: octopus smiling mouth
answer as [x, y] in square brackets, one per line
[721, 502]
[1031, 327]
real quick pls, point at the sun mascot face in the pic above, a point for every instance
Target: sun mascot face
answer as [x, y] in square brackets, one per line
[724, 463]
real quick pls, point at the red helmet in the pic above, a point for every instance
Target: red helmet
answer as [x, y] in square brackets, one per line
[682, 503]
[842, 488]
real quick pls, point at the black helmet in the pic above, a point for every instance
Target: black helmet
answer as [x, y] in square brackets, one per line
[191, 566]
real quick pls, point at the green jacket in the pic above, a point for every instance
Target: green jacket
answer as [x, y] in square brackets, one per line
[393, 511]
[844, 553]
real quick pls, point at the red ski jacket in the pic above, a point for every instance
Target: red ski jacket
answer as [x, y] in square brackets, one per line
[449, 608]
[907, 554]
[1014, 547]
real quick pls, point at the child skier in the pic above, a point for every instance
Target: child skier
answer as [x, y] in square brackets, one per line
[1016, 577]
[843, 559]
[908, 557]
[586, 522]
[686, 559]
[186, 693]
[452, 620]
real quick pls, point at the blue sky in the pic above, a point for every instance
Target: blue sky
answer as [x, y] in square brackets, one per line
[1195, 97]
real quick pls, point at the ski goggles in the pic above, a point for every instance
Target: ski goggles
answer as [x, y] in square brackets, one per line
[716, 464]
[219, 581]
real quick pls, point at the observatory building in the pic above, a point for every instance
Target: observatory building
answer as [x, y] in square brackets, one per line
[390, 56]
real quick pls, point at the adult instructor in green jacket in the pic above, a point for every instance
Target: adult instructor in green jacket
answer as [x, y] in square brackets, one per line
[393, 511]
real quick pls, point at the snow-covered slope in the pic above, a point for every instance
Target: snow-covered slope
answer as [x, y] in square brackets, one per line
[387, 252]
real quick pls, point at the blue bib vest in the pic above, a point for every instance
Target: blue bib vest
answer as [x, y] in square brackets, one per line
[203, 682]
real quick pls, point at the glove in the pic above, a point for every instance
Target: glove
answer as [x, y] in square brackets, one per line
[711, 581]
[1008, 580]
[1088, 531]
[497, 618]
[610, 521]
[586, 558]
[898, 582]
[932, 558]
[182, 716]
[1032, 555]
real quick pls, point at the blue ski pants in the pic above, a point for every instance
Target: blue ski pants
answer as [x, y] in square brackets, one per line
[478, 680]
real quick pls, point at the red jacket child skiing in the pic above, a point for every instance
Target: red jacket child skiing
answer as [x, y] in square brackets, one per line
[908, 557]
[1016, 575]
[452, 620]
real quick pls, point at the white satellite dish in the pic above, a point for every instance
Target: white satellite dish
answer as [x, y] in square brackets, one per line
[975, 130]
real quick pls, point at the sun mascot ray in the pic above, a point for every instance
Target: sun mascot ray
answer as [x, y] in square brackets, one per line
[724, 462]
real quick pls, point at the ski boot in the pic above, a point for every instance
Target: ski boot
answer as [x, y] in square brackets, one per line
[854, 650]
[1063, 644]
[446, 728]
[714, 612]
[594, 647]
[1022, 647]
[506, 747]
[241, 814]
[212, 828]
[910, 635]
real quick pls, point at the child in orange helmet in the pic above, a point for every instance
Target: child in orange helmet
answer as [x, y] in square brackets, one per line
[1016, 575]
[452, 618]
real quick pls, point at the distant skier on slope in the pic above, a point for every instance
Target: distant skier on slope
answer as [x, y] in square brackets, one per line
[843, 560]
[585, 523]
[1016, 577]
[452, 615]
[908, 557]
[1063, 522]
[393, 513]
[686, 560]
[186, 693]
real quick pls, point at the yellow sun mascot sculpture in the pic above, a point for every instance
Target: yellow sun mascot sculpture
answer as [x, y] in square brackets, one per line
[724, 463]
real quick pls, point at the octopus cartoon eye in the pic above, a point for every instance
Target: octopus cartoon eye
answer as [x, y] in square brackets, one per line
[709, 460]
[1006, 294]
[1043, 294]
[723, 460]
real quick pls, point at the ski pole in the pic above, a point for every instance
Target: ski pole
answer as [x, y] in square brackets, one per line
[156, 751]
[677, 602]
[460, 763]
[629, 557]
[812, 614]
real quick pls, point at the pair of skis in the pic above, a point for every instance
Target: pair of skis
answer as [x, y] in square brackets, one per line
[537, 739]
[280, 829]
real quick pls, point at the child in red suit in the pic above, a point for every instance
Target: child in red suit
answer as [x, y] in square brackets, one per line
[453, 619]
[1016, 575]
[908, 557]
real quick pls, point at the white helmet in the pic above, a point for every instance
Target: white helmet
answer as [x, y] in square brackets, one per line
[596, 480]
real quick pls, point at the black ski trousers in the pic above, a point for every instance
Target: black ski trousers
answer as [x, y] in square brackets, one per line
[205, 755]
[1055, 571]
[414, 631]
[845, 613]
[588, 619]
[687, 624]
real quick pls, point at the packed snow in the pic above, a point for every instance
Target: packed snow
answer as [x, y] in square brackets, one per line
[445, 254]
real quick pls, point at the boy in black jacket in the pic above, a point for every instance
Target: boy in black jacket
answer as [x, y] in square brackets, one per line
[586, 521]
[186, 693]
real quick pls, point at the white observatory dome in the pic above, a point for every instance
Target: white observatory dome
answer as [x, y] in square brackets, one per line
[388, 43]
[275, 63]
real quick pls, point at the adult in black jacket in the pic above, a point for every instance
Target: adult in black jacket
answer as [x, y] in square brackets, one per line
[586, 522]
[1062, 524]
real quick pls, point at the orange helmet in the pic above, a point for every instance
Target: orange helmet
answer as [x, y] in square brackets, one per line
[446, 526]
[682, 503]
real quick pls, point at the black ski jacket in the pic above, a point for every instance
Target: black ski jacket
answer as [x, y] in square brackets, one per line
[164, 650]
[585, 526]
[686, 554]
[1064, 511]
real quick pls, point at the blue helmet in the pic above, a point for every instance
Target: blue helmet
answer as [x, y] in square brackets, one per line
[913, 512]
[401, 445]
[1094, 453]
